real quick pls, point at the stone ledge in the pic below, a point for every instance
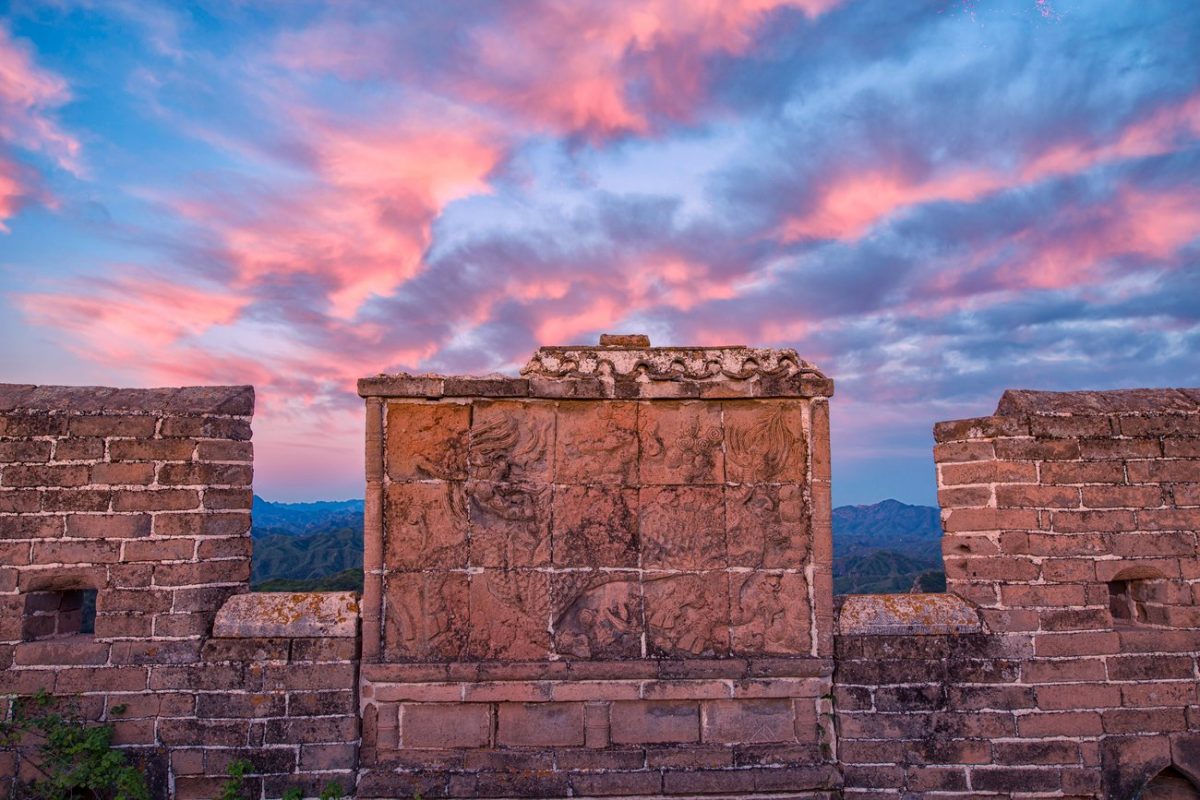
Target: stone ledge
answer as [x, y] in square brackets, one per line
[288, 614]
[221, 400]
[907, 614]
[1025, 402]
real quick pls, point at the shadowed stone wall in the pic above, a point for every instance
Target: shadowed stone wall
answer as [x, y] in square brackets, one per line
[608, 576]
[143, 496]
[1071, 522]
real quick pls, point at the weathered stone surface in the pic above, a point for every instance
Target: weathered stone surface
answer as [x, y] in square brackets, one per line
[509, 524]
[768, 526]
[512, 441]
[294, 614]
[510, 615]
[682, 527]
[427, 440]
[595, 526]
[426, 525]
[769, 613]
[680, 443]
[426, 615]
[687, 614]
[596, 443]
[764, 442]
[597, 614]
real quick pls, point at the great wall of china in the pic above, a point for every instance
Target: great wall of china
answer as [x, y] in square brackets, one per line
[611, 577]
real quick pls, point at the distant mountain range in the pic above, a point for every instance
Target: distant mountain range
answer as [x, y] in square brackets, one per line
[884, 547]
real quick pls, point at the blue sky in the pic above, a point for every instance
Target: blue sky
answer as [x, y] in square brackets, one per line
[931, 201]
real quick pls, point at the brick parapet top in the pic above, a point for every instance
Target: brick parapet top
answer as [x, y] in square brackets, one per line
[1018, 406]
[213, 400]
[626, 372]
[906, 614]
[288, 614]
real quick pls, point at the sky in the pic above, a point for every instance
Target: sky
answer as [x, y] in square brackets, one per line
[931, 201]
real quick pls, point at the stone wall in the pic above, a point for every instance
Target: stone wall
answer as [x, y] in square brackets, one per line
[1071, 523]
[143, 497]
[609, 576]
[1062, 662]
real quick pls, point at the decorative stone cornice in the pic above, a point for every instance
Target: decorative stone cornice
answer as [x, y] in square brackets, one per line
[628, 371]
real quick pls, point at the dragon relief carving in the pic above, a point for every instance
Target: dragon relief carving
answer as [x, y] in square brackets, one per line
[509, 525]
[521, 590]
[503, 448]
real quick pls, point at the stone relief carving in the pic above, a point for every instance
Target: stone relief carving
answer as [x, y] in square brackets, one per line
[688, 614]
[426, 526]
[426, 615]
[666, 363]
[762, 444]
[680, 443]
[768, 612]
[596, 443]
[511, 442]
[509, 524]
[598, 615]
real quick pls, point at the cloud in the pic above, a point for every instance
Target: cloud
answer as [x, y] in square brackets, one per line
[28, 97]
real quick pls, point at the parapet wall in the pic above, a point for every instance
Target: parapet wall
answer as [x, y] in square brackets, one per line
[1062, 662]
[1071, 523]
[143, 498]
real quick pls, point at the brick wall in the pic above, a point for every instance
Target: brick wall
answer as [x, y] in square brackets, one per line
[143, 497]
[1070, 522]
[610, 576]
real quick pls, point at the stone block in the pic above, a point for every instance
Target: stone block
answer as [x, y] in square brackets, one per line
[427, 440]
[595, 526]
[437, 725]
[765, 442]
[596, 443]
[540, 725]
[426, 526]
[687, 614]
[512, 441]
[510, 615]
[597, 614]
[655, 722]
[769, 526]
[682, 527]
[425, 616]
[509, 524]
[769, 613]
[680, 443]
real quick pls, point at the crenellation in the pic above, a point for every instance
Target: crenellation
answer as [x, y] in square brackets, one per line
[612, 576]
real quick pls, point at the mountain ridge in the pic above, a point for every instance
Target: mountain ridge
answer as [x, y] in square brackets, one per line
[889, 546]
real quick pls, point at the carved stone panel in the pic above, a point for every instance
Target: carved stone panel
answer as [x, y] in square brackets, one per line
[597, 614]
[681, 443]
[769, 613]
[596, 443]
[595, 526]
[768, 526]
[512, 441]
[510, 615]
[764, 442]
[427, 440]
[687, 614]
[509, 524]
[682, 527]
[426, 526]
[425, 616]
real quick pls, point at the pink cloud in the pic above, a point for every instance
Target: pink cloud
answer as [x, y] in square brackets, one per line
[118, 320]
[850, 203]
[28, 95]
[362, 221]
[599, 68]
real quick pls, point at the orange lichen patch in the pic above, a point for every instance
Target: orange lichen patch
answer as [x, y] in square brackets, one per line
[263, 614]
[915, 614]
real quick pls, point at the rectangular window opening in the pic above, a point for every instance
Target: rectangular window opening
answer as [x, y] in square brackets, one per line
[59, 614]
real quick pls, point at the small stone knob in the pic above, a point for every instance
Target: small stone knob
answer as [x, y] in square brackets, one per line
[624, 340]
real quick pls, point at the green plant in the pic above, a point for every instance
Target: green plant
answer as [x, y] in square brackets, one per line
[232, 788]
[75, 759]
[293, 793]
[332, 791]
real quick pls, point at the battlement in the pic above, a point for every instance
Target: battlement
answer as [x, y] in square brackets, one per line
[611, 577]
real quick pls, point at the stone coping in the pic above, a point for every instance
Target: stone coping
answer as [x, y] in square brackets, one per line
[216, 400]
[906, 614]
[733, 668]
[624, 372]
[288, 614]
[1025, 402]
